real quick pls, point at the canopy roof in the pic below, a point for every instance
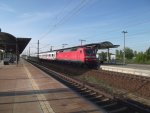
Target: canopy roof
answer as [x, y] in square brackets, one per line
[100, 45]
[8, 43]
[7, 38]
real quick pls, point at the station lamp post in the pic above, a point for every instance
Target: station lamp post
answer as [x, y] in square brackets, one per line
[124, 32]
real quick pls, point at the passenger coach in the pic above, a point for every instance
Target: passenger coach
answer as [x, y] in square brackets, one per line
[48, 55]
[78, 55]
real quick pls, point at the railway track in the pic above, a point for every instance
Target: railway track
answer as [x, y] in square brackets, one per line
[107, 102]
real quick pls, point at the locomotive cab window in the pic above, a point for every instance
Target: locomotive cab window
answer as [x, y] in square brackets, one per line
[89, 51]
[80, 51]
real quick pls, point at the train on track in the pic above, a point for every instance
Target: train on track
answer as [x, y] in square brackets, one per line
[83, 55]
[77, 55]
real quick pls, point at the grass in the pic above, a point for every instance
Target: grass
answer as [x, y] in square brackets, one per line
[102, 84]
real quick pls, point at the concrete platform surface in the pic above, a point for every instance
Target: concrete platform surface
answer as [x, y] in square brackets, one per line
[136, 69]
[26, 89]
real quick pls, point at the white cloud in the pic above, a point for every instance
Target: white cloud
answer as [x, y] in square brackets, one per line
[7, 8]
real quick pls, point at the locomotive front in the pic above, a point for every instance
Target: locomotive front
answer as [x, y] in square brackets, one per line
[90, 57]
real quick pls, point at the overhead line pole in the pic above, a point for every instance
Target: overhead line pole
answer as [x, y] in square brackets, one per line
[29, 51]
[51, 48]
[38, 49]
[82, 41]
[124, 57]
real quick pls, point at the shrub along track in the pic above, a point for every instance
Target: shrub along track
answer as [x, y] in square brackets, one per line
[116, 84]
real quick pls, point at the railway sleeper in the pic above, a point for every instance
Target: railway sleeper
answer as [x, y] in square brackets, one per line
[91, 95]
[81, 88]
[71, 82]
[97, 98]
[77, 89]
[83, 93]
[74, 83]
[88, 91]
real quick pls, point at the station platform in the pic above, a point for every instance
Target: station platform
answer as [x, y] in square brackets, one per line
[136, 69]
[26, 89]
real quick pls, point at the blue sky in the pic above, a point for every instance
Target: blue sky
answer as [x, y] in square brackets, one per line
[55, 22]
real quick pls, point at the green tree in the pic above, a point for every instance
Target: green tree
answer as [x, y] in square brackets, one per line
[140, 58]
[117, 54]
[129, 53]
[121, 54]
[103, 56]
[147, 53]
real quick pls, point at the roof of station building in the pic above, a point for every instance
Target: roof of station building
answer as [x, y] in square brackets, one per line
[7, 38]
[8, 42]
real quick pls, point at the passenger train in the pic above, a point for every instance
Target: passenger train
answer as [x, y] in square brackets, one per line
[78, 55]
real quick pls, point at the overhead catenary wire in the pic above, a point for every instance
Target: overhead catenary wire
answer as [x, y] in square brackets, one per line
[74, 11]
[110, 31]
[66, 17]
[61, 21]
[57, 16]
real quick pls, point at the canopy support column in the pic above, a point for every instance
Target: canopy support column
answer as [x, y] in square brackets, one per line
[108, 56]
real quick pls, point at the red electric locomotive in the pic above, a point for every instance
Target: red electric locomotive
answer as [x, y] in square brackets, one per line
[82, 55]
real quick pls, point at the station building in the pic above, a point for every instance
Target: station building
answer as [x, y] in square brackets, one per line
[11, 47]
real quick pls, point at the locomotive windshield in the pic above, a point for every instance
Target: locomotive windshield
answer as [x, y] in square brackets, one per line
[89, 51]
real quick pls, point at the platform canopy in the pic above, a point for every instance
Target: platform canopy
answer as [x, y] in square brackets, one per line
[102, 45]
[96, 46]
[10, 43]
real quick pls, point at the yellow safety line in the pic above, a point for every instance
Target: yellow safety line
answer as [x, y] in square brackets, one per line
[45, 106]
